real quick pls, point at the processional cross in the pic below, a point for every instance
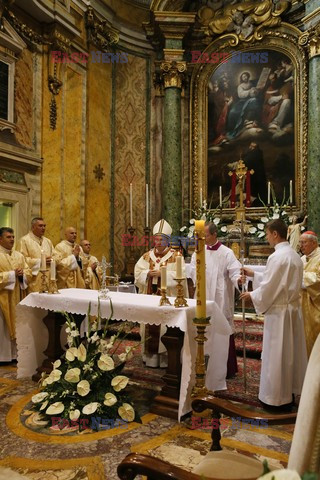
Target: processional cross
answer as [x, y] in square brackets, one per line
[241, 174]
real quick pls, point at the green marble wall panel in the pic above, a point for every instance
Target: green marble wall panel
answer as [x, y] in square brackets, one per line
[171, 174]
[313, 177]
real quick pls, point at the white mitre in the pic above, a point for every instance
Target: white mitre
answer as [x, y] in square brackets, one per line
[162, 228]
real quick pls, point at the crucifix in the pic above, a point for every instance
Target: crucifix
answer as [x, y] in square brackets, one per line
[240, 174]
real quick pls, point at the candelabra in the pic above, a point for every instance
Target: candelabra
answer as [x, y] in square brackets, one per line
[147, 232]
[164, 300]
[53, 286]
[200, 367]
[44, 283]
[180, 301]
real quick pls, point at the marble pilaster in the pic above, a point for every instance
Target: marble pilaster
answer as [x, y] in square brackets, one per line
[313, 180]
[171, 165]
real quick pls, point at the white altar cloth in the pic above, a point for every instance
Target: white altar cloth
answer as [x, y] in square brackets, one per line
[32, 334]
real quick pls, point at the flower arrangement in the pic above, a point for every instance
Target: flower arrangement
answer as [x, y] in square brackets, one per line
[88, 380]
[273, 211]
[209, 215]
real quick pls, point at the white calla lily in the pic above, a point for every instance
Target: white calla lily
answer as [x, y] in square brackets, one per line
[105, 363]
[72, 375]
[119, 382]
[83, 388]
[55, 408]
[261, 234]
[260, 226]
[90, 408]
[71, 354]
[252, 230]
[43, 406]
[57, 364]
[110, 399]
[216, 220]
[264, 219]
[126, 412]
[224, 229]
[282, 474]
[74, 414]
[82, 353]
[275, 216]
[39, 397]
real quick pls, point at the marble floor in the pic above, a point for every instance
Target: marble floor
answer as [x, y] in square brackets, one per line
[31, 451]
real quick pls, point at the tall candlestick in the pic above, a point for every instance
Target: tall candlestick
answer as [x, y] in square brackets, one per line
[290, 197]
[269, 192]
[147, 205]
[53, 270]
[179, 266]
[163, 273]
[200, 269]
[131, 215]
[43, 261]
[201, 197]
[220, 196]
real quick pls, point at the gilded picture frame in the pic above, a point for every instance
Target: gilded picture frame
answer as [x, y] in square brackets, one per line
[274, 117]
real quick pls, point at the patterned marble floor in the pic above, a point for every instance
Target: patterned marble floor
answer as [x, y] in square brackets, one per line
[96, 456]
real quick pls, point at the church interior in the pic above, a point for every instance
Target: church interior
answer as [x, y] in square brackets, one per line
[122, 121]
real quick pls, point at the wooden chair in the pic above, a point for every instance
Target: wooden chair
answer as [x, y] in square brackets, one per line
[222, 464]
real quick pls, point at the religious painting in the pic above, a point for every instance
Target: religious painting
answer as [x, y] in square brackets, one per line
[251, 114]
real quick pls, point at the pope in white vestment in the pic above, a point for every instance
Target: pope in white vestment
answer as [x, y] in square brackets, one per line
[276, 294]
[147, 279]
[14, 275]
[32, 246]
[222, 277]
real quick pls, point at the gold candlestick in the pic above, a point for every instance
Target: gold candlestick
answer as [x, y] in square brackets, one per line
[164, 300]
[180, 301]
[53, 286]
[44, 283]
[200, 367]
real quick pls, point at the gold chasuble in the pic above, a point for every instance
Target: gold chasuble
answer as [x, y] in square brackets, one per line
[11, 286]
[311, 297]
[92, 277]
[69, 273]
[31, 248]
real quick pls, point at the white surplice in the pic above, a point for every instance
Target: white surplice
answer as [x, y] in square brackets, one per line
[222, 273]
[284, 357]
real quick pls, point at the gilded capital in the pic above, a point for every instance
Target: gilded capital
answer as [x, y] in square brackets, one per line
[311, 40]
[173, 73]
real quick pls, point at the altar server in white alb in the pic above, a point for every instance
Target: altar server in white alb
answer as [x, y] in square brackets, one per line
[147, 279]
[276, 294]
[222, 277]
[14, 275]
[33, 247]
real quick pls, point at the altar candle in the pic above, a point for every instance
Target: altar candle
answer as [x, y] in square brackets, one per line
[290, 186]
[269, 192]
[201, 197]
[179, 266]
[43, 261]
[53, 270]
[220, 196]
[163, 273]
[147, 205]
[131, 215]
[200, 270]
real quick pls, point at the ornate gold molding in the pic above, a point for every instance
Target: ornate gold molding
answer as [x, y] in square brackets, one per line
[173, 73]
[311, 41]
[245, 20]
[26, 32]
[99, 33]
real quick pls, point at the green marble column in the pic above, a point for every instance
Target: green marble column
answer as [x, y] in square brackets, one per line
[313, 179]
[171, 165]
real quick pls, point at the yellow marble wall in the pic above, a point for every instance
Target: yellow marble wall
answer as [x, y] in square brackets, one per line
[98, 148]
[23, 98]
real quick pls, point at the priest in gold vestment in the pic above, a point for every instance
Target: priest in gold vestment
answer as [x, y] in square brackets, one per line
[71, 269]
[14, 275]
[147, 279]
[310, 287]
[93, 272]
[32, 246]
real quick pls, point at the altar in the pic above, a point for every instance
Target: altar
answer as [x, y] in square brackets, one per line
[32, 334]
